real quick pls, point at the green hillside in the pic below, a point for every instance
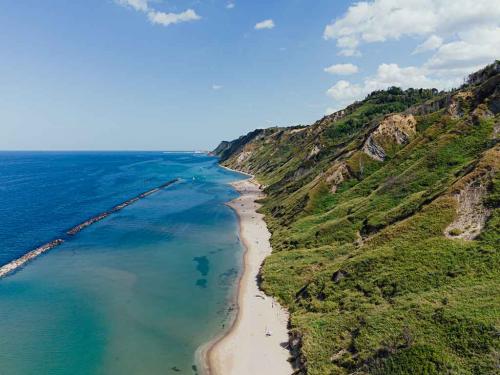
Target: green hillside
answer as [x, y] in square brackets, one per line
[385, 227]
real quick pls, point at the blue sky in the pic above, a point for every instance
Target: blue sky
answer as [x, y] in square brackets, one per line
[178, 75]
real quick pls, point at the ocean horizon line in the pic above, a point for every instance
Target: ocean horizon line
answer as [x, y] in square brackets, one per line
[105, 151]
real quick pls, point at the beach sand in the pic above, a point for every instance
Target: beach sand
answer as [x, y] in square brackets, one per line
[246, 349]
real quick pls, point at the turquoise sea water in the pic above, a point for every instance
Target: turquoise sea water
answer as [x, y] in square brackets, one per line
[136, 293]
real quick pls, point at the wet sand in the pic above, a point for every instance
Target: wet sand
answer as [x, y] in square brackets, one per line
[246, 348]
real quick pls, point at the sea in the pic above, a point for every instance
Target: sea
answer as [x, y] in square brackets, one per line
[136, 293]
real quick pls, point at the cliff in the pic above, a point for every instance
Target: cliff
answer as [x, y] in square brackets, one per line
[385, 228]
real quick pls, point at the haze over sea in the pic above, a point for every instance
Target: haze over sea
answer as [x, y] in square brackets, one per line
[136, 293]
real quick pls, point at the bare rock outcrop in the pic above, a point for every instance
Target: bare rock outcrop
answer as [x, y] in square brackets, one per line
[471, 212]
[314, 151]
[431, 106]
[337, 174]
[374, 150]
[469, 193]
[458, 103]
[394, 129]
[243, 156]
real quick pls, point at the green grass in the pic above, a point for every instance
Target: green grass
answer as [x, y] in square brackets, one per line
[371, 281]
[407, 280]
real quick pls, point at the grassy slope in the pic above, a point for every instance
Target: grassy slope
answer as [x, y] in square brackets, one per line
[372, 283]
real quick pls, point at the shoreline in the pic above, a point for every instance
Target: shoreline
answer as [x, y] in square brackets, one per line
[244, 348]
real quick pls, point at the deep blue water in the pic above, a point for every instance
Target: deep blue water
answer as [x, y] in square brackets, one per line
[136, 293]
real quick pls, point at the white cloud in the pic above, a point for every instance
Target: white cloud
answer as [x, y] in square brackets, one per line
[344, 92]
[140, 5]
[447, 27]
[431, 43]
[342, 69]
[380, 20]
[230, 5]
[266, 24]
[217, 87]
[393, 75]
[474, 48]
[157, 17]
[166, 19]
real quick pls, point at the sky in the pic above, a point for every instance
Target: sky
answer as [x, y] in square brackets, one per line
[184, 75]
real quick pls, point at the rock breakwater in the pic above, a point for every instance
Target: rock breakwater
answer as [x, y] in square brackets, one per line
[9, 267]
[17, 263]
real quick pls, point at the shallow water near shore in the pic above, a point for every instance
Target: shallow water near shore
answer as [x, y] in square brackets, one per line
[137, 293]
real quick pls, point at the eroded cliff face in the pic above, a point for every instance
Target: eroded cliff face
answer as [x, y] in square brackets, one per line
[226, 149]
[394, 129]
[471, 212]
[337, 174]
[471, 193]
[385, 221]
[298, 163]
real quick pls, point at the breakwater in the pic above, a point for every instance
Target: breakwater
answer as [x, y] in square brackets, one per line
[15, 264]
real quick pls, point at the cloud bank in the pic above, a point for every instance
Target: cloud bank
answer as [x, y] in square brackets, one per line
[463, 33]
[455, 37]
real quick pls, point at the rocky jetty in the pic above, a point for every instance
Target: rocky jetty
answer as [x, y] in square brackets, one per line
[15, 264]
[9, 267]
[117, 208]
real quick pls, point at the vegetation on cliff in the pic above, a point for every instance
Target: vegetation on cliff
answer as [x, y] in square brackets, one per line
[385, 226]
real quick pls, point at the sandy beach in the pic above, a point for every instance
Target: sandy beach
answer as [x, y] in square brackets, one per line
[246, 348]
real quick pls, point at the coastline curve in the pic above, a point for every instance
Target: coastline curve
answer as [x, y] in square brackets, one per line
[259, 327]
